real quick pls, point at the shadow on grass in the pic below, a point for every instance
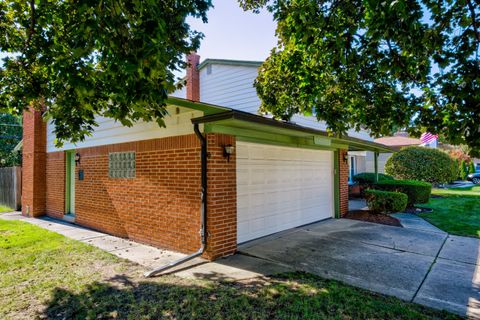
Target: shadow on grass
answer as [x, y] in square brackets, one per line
[291, 296]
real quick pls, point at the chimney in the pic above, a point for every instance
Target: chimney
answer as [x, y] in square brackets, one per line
[193, 77]
[34, 163]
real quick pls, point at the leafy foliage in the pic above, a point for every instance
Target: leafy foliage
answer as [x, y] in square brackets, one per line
[385, 201]
[10, 136]
[378, 65]
[423, 164]
[369, 177]
[416, 191]
[463, 170]
[85, 58]
[471, 167]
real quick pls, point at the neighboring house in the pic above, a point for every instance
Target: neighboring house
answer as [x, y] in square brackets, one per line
[229, 83]
[395, 142]
[217, 175]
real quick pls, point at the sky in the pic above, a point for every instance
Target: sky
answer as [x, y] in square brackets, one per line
[232, 33]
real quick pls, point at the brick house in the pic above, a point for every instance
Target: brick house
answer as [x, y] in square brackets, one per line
[213, 178]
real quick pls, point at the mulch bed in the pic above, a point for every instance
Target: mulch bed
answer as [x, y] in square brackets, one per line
[366, 215]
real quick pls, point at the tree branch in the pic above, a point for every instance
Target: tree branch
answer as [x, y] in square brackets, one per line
[31, 30]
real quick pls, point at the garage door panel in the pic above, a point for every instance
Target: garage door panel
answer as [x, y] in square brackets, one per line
[280, 188]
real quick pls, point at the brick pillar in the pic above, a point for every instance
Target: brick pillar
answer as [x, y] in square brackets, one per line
[221, 199]
[343, 183]
[193, 77]
[34, 164]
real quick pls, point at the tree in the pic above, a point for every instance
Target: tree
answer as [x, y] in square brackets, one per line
[10, 136]
[79, 59]
[463, 170]
[377, 65]
[471, 167]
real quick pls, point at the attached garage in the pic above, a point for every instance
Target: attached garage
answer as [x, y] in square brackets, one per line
[279, 188]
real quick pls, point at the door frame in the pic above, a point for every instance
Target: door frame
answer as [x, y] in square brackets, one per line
[70, 182]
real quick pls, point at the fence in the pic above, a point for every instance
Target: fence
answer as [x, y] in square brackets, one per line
[11, 187]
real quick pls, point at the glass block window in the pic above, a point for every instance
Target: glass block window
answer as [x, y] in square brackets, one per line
[121, 165]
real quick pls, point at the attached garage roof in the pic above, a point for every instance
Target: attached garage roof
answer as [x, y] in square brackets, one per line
[234, 121]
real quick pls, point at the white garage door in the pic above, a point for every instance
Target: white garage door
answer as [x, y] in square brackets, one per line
[280, 188]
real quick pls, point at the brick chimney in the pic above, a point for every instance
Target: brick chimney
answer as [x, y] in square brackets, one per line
[34, 164]
[193, 77]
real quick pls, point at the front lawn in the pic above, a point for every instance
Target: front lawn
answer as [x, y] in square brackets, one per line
[43, 274]
[5, 209]
[456, 211]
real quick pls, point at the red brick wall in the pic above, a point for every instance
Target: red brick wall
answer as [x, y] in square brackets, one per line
[56, 167]
[222, 198]
[34, 164]
[343, 171]
[160, 206]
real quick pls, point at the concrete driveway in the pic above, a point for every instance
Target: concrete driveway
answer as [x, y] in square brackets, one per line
[417, 263]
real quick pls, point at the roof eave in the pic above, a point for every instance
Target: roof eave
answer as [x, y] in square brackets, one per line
[353, 143]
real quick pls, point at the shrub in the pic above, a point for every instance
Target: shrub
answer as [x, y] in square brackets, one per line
[385, 201]
[369, 177]
[463, 170]
[423, 164]
[471, 167]
[416, 191]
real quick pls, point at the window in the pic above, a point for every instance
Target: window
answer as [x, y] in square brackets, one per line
[121, 165]
[352, 168]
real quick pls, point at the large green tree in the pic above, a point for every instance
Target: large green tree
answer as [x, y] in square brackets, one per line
[10, 136]
[378, 65]
[80, 58]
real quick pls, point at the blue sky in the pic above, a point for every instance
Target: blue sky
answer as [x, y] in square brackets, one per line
[232, 33]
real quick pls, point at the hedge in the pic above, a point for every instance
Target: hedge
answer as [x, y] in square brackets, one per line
[369, 177]
[423, 164]
[379, 201]
[416, 191]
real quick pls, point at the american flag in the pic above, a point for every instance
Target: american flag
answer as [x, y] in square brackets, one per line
[428, 138]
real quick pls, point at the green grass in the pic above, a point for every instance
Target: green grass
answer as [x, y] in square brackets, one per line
[45, 275]
[5, 209]
[457, 211]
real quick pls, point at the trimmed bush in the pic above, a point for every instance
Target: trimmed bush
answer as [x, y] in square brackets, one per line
[369, 177]
[416, 191]
[423, 164]
[379, 201]
[463, 170]
[471, 167]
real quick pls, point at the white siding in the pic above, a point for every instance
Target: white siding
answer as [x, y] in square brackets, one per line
[111, 132]
[180, 93]
[232, 86]
[382, 160]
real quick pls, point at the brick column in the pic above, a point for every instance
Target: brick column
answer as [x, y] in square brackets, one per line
[34, 164]
[221, 198]
[193, 77]
[343, 183]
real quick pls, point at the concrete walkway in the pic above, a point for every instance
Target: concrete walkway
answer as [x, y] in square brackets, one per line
[418, 263]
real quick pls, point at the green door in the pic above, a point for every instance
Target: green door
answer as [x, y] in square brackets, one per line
[70, 183]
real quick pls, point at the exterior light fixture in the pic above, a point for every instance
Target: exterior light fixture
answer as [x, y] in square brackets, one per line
[77, 159]
[345, 157]
[228, 151]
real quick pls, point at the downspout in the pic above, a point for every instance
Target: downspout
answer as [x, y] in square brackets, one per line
[203, 211]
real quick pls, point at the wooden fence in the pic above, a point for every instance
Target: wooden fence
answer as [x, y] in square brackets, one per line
[11, 187]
